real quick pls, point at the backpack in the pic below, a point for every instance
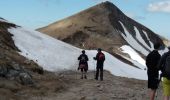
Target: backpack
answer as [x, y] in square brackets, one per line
[83, 58]
[167, 66]
[152, 60]
[101, 57]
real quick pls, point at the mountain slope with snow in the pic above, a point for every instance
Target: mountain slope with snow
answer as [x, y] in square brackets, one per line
[125, 41]
[104, 26]
[54, 55]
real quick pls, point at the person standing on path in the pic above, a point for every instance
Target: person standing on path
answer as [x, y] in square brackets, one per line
[83, 64]
[152, 61]
[100, 57]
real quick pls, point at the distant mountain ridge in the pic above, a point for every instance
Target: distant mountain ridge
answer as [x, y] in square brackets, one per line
[104, 26]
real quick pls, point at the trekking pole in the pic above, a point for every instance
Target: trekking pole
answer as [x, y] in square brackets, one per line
[94, 68]
[76, 74]
[76, 71]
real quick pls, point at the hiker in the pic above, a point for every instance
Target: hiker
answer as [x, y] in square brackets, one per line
[83, 65]
[152, 61]
[165, 69]
[100, 57]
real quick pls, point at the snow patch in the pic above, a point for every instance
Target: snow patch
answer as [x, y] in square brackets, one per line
[129, 38]
[50, 53]
[139, 37]
[134, 55]
[161, 52]
[152, 46]
[54, 55]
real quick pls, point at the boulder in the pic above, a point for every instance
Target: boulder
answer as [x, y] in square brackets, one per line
[3, 71]
[16, 72]
[25, 78]
[2, 56]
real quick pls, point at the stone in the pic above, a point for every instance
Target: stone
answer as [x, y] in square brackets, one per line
[3, 71]
[12, 74]
[25, 78]
[16, 66]
[2, 56]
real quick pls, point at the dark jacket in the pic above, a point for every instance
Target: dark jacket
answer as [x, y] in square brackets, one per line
[162, 64]
[83, 59]
[100, 61]
[152, 61]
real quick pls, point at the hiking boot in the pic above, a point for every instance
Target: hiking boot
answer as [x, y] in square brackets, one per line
[85, 77]
[81, 77]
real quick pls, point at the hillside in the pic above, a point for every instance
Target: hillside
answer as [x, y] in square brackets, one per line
[11, 62]
[35, 66]
[21, 77]
[16, 71]
[54, 55]
[104, 26]
[23, 52]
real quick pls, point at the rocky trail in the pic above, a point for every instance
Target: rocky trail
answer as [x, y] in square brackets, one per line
[67, 85]
[112, 88]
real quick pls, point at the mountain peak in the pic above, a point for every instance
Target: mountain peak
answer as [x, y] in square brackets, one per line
[107, 3]
[105, 22]
[109, 6]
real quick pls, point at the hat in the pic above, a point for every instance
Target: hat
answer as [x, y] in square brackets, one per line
[99, 49]
[83, 51]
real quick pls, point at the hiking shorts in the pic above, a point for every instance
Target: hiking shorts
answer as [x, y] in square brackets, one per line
[166, 86]
[153, 83]
[83, 67]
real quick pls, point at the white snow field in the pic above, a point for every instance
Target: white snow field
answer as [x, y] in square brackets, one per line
[55, 55]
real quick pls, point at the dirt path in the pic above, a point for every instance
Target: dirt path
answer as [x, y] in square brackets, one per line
[68, 86]
[112, 88]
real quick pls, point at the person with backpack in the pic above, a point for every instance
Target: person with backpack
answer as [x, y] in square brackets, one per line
[165, 69]
[152, 61]
[83, 65]
[100, 57]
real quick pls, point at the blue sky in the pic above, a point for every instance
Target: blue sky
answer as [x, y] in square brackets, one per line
[154, 14]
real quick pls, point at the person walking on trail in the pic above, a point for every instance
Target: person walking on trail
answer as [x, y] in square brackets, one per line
[100, 57]
[83, 64]
[165, 69]
[152, 61]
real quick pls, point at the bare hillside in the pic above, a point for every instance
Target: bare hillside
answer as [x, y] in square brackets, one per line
[24, 79]
[100, 26]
